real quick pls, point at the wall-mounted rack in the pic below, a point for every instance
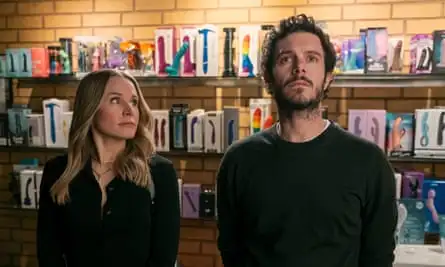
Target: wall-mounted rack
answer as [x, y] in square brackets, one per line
[31, 149]
[340, 81]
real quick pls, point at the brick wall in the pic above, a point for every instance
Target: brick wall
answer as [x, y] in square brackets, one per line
[39, 23]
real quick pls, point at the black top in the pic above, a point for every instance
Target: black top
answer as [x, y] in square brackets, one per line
[131, 231]
[328, 202]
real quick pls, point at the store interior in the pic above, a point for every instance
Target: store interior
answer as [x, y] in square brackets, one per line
[197, 63]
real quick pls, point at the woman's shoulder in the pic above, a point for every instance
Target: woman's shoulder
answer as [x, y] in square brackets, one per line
[54, 168]
[57, 162]
[162, 168]
[159, 162]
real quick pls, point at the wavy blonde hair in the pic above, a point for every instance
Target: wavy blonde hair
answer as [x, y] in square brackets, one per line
[130, 164]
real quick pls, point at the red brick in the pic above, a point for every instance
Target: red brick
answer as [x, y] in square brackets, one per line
[197, 233]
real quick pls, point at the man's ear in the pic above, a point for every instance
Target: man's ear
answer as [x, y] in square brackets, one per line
[328, 80]
[327, 83]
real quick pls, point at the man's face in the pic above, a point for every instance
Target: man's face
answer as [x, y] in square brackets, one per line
[299, 72]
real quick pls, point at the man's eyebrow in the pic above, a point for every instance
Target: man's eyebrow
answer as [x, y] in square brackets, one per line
[314, 52]
[283, 52]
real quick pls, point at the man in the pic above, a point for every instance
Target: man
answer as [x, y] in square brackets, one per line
[304, 193]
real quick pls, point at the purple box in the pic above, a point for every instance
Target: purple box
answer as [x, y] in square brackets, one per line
[357, 122]
[412, 184]
[376, 127]
[369, 124]
[190, 200]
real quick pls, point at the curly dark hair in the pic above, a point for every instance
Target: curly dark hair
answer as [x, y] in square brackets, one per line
[299, 23]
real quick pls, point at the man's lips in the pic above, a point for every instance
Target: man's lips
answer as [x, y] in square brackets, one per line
[298, 83]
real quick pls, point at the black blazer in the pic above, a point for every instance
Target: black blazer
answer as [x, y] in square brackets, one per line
[131, 231]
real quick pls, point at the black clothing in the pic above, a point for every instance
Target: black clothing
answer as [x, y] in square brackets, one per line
[130, 231]
[328, 202]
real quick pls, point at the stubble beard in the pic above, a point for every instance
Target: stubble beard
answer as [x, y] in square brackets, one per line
[305, 107]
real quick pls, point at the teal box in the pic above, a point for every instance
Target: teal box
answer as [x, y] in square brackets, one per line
[411, 221]
[25, 62]
[2, 66]
[12, 61]
[18, 125]
[18, 62]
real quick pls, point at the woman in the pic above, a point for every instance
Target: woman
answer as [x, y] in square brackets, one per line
[110, 201]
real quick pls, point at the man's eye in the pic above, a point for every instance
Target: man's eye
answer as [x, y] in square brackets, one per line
[312, 59]
[284, 60]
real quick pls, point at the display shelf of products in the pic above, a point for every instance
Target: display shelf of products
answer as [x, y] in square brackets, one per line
[388, 80]
[36, 149]
[155, 82]
[416, 160]
[340, 81]
[179, 153]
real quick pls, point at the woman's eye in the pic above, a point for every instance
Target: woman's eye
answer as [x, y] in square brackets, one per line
[134, 102]
[114, 100]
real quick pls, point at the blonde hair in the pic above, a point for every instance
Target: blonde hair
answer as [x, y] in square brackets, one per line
[130, 164]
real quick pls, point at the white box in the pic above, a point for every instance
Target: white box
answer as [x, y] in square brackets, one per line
[419, 256]
[53, 110]
[188, 61]
[429, 138]
[207, 52]
[231, 125]
[28, 192]
[213, 129]
[195, 130]
[248, 56]
[161, 130]
[36, 130]
[260, 110]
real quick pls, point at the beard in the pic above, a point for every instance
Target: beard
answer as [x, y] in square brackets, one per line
[288, 104]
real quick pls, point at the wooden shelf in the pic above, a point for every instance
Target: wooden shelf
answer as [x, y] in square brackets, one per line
[30, 149]
[340, 81]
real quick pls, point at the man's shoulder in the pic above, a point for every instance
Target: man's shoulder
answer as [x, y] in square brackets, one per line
[250, 145]
[360, 149]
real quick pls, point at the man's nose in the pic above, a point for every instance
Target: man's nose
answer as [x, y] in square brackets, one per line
[299, 65]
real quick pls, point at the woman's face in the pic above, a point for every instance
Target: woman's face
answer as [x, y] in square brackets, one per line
[118, 113]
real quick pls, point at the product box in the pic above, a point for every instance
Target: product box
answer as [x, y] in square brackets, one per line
[178, 126]
[53, 115]
[190, 200]
[429, 138]
[369, 124]
[207, 51]
[438, 51]
[195, 130]
[161, 129]
[213, 129]
[377, 50]
[411, 221]
[434, 196]
[231, 125]
[400, 134]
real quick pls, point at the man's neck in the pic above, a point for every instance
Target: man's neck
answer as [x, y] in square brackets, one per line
[298, 129]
